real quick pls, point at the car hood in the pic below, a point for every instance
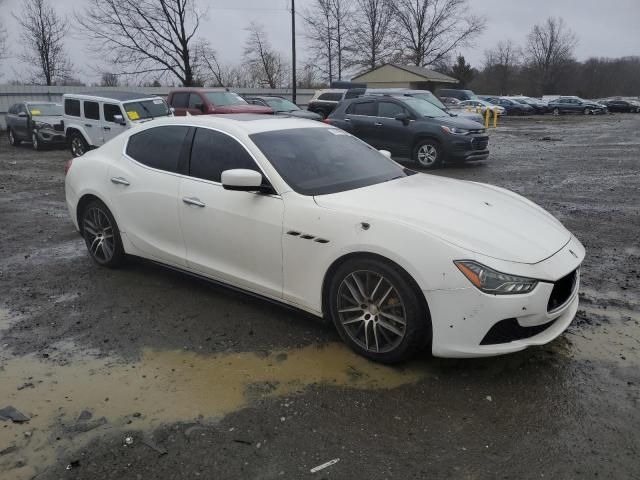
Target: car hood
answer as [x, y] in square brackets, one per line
[242, 109]
[458, 122]
[480, 218]
[50, 119]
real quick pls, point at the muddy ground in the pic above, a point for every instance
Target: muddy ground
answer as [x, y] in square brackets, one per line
[142, 373]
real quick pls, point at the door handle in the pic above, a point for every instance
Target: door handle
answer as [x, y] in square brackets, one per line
[347, 120]
[88, 125]
[120, 181]
[107, 128]
[378, 124]
[193, 201]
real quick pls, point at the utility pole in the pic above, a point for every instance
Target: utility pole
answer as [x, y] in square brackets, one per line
[293, 50]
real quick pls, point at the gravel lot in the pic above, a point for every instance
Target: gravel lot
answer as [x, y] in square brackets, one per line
[145, 373]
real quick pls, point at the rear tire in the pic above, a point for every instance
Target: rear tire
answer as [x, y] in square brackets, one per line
[556, 111]
[377, 310]
[101, 235]
[428, 154]
[13, 141]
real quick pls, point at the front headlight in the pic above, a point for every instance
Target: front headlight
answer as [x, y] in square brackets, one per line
[455, 130]
[491, 281]
[39, 125]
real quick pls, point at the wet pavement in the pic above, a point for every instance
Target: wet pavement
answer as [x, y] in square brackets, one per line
[142, 372]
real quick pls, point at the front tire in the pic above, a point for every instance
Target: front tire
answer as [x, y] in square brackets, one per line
[78, 145]
[35, 142]
[556, 111]
[587, 111]
[13, 141]
[428, 154]
[377, 310]
[101, 235]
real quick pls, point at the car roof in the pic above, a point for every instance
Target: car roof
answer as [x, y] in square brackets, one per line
[265, 97]
[29, 102]
[246, 122]
[117, 96]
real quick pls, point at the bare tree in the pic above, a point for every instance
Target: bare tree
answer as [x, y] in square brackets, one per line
[370, 42]
[502, 65]
[109, 79]
[429, 30]
[3, 41]
[266, 64]
[146, 37]
[327, 33]
[43, 33]
[550, 48]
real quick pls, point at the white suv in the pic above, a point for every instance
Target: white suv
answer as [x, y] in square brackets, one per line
[92, 119]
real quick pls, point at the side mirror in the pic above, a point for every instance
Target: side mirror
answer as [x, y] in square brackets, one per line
[22, 114]
[402, 117]
[242, 180]
[172, 110]
[119, 119]
[386, 153]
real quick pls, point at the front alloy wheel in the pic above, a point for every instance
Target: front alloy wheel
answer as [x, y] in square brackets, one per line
[378, 311]
[587, 111]
[35, 141]
[427, 154]
[101, 235]
[78, 145]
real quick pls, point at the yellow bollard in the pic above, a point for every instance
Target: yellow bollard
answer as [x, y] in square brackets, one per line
[486, 117]
[495, 117]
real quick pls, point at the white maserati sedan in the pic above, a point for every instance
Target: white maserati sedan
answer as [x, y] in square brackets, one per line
[305, 214]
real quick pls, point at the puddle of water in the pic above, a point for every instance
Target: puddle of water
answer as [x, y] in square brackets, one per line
[164, 387]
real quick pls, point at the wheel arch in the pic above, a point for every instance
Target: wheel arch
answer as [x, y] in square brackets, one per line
[367, 255]
[421, 137]
[84, 200]
[73, 130]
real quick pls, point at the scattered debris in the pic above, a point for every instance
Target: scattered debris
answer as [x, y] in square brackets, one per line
[149, 442]
[10, 413]
[85, 426]
[73, 464]
[8, 450]
[26, 385]
[128, 441]
[488, 398]
[243, 442]
[84, 416]
[324, 465]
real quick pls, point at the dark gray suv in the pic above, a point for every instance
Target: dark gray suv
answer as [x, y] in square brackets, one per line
[413, 128]
[37, 122]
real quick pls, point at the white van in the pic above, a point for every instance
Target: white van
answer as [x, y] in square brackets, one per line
[92, 119]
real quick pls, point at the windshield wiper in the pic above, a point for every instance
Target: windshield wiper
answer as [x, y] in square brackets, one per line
[147, 110]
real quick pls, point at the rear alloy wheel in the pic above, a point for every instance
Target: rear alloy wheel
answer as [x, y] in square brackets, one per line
[427, 154]
[556, 111]
[13, 141]
[101, 235]
[78, 145]
[377, 311]
[35, 141]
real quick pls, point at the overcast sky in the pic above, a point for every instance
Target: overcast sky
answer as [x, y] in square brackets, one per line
[604, 28]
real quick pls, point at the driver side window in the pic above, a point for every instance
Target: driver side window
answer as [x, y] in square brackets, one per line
[214, 152]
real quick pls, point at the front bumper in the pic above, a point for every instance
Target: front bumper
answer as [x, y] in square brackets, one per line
[469, 148]
[465, 321]
[49, 136]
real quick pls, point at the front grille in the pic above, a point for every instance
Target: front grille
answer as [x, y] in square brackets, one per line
[562, 291]
[480, 143]
[510, 330]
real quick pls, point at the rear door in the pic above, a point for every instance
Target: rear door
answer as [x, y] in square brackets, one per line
[144, 185]
[91, 122]
[361, 116]
[232, 236]
[110, 127]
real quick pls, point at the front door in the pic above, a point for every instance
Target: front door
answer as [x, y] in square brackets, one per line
[92, 124]
[235, 237]
[21, 123]
[109, 126]
[144, 185]
[394, 135]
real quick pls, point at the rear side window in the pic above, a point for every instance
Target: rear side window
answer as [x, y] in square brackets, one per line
[363, 108]
[214, 152]
[158, 147]
[180, 100]
[72, 107]
[194, 100]
[111, 110]
[92, 110]
[330, 97]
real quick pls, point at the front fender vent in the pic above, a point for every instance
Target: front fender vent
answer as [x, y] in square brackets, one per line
[307, 236]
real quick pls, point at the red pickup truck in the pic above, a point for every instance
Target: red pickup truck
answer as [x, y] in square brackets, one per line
[206, 101]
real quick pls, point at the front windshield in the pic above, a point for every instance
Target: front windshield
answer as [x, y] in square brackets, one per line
[424, 108]
[470, 94]
[45, 109]
[430, 97]
[223, 99]
[146, 109]
[281, 105]
[520, 100]
[321, 161]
